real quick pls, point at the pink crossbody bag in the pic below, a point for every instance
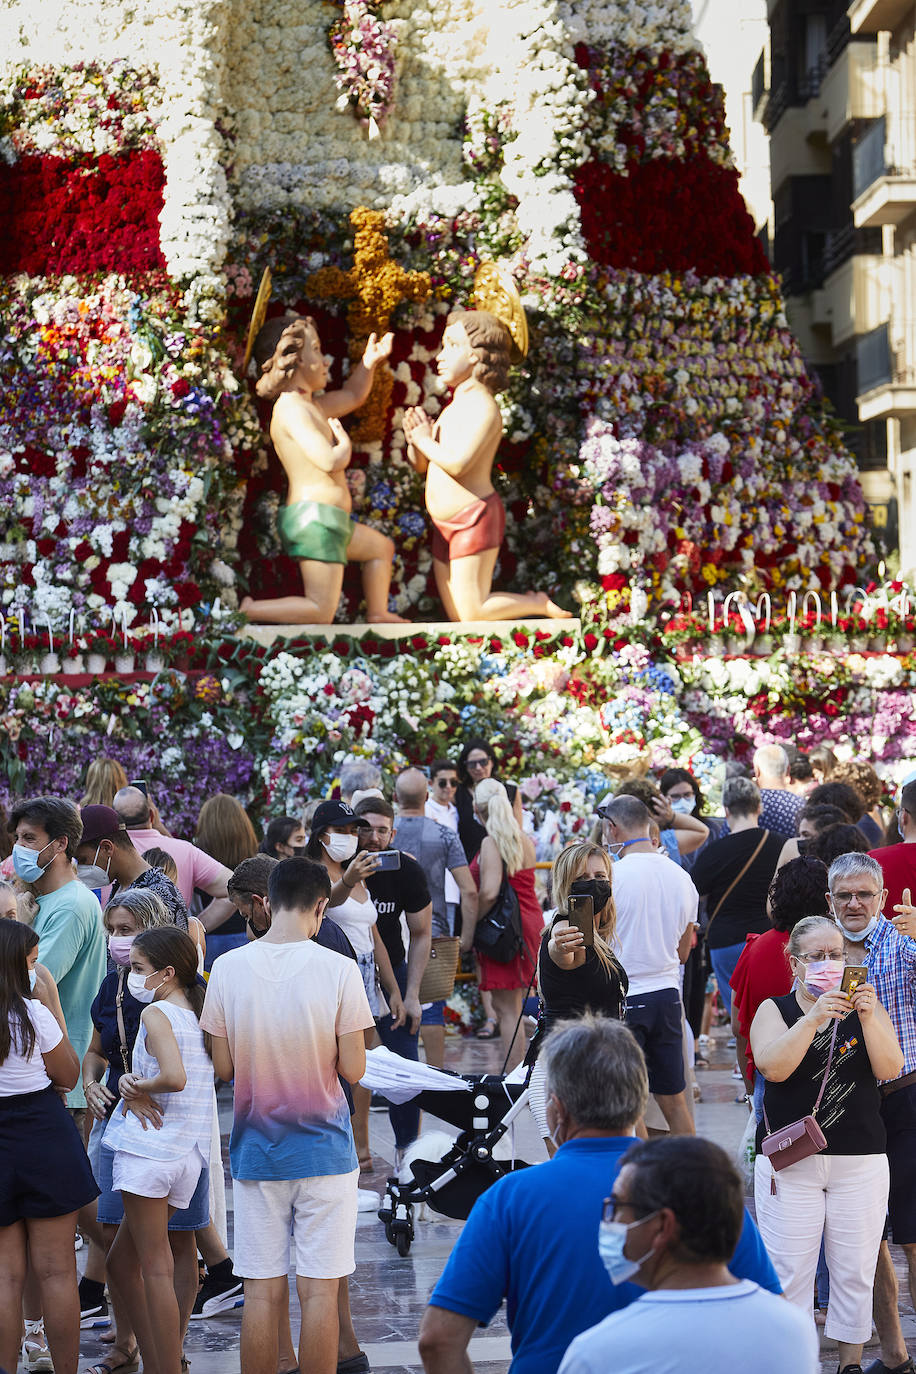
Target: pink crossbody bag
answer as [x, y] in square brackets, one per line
[800, 1138]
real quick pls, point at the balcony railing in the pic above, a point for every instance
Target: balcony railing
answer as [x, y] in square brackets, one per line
[868, 158]
[842, 244]
[873, 356]
[837, 39]
[776, 106]
[759, 85]
[810, 84]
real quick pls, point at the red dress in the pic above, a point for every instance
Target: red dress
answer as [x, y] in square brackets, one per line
[495, 977]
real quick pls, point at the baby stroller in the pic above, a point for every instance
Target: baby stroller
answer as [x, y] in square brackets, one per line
[483, 1107]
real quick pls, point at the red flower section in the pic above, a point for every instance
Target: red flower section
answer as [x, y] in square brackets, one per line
[668, 216]
[63, 217]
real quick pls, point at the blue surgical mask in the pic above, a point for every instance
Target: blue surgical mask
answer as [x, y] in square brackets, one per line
[612, 1237]
[25, 862]
[683, 806]
[33, 978]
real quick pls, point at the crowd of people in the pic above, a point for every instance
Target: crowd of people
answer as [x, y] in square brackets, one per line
[140, 970]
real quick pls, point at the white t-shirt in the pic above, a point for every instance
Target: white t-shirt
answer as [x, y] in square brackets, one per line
[282, 1008]
[21, 1074]
[357, 920]
[446, 814]
[656, 902]
[716, 1330]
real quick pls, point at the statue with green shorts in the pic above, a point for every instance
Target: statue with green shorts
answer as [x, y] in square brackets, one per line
[315, 526]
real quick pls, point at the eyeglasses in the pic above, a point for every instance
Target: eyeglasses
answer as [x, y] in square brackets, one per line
[844, 898]
[446, 782]
[820, 954]
[478, 763]
[612, 1205]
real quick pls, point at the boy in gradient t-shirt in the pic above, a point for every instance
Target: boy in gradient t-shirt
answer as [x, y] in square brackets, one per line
[287, 1016]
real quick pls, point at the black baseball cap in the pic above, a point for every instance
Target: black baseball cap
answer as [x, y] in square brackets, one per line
[336, 813]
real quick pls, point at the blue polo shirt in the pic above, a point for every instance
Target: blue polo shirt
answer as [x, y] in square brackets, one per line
[533, 1239]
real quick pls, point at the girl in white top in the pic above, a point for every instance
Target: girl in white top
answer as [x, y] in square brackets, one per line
[44, 1173]
[157, 1170]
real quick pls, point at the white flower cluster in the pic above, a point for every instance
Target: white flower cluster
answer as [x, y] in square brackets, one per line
[634, 23]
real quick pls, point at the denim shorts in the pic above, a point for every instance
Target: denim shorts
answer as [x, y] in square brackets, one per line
[110, 1211]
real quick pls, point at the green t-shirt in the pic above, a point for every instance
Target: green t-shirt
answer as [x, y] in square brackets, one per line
[72, 947]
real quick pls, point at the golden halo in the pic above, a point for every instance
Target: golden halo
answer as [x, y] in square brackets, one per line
[258, 314]
[496, 292]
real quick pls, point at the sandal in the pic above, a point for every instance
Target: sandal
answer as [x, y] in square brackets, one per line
[488, 1031]
[110, 1363]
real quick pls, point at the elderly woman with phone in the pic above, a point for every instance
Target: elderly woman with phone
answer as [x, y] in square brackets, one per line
[820, 1048]
[577, 970]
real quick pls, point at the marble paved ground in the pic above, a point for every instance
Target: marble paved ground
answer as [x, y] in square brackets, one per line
[388, 1294]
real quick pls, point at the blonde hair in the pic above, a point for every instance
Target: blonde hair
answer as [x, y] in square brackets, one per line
[568, 866]
[104, 777]
[492, 802]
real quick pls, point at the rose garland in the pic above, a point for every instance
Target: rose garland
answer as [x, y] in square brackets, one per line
[364, 48]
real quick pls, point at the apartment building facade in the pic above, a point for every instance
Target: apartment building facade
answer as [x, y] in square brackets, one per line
[821, 89]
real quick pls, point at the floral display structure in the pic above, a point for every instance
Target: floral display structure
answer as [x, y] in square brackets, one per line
[663, 437]
[570, 712]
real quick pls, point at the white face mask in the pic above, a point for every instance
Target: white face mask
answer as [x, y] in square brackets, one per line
[33, 979]
[136, 986]
[857, 936]
[340, 848]
[92, 875]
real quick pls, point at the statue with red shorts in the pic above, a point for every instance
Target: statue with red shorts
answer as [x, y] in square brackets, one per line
[457, 456]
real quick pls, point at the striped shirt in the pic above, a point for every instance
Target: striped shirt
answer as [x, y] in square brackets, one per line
[891, 963]
[187, 1116]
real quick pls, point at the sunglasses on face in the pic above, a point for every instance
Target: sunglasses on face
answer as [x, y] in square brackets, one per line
[446, 782]
[478, 763]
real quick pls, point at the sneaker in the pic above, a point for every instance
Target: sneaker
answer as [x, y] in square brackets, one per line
[36, 1357]
[879, 1367]
[731, 1043]
[367, 1201]
[218, 1295]
[94, 1316]
[705, 1041]
[736, 1072]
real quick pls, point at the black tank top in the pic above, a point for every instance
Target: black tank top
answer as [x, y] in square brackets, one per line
[850, 1110]
[572, 992]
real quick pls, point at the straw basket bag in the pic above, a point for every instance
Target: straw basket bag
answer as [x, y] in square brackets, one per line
[438, 981]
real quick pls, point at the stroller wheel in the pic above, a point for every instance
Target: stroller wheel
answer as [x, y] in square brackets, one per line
[402, 1240]
[389, 1233]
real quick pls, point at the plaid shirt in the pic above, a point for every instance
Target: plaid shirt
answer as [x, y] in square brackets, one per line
[891, 963]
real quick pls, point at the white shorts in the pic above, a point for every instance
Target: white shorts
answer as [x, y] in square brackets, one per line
[319, 1213]
[173, 1179]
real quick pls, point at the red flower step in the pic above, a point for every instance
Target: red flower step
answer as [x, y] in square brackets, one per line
[669, 216]
[59, 216]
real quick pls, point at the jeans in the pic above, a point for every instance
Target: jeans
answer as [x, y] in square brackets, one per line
[724, 962]
[405, 1119]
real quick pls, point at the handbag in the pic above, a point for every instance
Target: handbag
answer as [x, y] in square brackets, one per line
[736, 880]
[438, 981]
[800, 1138]
[498, 933]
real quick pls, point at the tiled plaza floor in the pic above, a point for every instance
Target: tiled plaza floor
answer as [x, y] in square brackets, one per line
[388, 1293]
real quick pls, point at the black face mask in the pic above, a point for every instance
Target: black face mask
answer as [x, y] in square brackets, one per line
[300, 851]
[599, 889]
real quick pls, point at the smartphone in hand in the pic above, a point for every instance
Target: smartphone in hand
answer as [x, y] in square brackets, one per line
[580, 913]
[853, 976]
[387, 859]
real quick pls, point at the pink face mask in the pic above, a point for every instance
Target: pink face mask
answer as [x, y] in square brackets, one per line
[119, 948]
[823, 975]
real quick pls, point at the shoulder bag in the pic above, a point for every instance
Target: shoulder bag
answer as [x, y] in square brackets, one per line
[498, 933]
[736, 880]
[800, 1138]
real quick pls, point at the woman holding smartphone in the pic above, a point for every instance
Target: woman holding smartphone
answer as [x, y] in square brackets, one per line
[816, 1035]
[575, 974]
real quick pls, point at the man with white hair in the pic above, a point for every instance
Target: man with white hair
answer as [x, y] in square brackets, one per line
[779, 806]
[857, 898]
